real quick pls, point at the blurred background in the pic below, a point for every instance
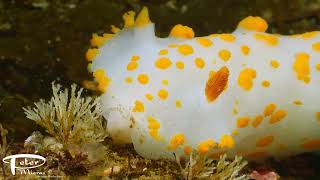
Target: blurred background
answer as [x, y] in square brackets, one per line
[45, 40]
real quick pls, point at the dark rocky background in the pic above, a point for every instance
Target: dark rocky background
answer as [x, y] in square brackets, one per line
[45, 40]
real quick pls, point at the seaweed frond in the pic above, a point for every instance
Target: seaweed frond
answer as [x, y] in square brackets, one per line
[201, 167]
[229, 170]
[70, 120]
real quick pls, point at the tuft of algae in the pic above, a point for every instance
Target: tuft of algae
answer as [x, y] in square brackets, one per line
[74, 126]
[201, 167]
[70, 118]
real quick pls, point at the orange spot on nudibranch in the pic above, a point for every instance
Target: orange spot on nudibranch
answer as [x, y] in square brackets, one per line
[165, 82]
[176, 141]
[277, 116]
[132, 65]
[204, 146]
[155, 134]
[180, 31]
[254, 24]
[180, 65]
[107, 36]
[143, 78]
[274, 63]
[163, 52]
[115, 29]
[226, 141]
[297, 102]
[128, 19]
[138, 106]
[311, 144]
[225, 55]
[154, 127]
[102, 79]
[187, 150]
[199, 62]
[211, 73]
[128, 80]
[243, 122]
[172, 45]
[301, 67]
[185, 49]
[149, 97]
[246, 77]
[216, 84]
[143, 18]
[257, 121]
[245, 50]
[227, 37]
[264, 141]
[91, 54]
[309, 35]
[163, 63]
[316, 46]
[178, 104]
[163, 94]
[265, 83]
[318, 67]
[98, 41]
[214, 35]
[269, 39]
[269, 109]
[205, 42]
[135, 58]
[153, 123]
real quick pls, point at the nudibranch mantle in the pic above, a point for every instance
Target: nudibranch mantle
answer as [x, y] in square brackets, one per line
[246, 93]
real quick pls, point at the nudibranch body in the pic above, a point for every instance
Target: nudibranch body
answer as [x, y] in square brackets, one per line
[246, 93]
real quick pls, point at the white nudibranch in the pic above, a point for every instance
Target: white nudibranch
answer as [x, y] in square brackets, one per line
[247, 93]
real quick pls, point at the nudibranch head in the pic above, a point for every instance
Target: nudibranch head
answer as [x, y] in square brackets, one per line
[106, 54]
[222, 93]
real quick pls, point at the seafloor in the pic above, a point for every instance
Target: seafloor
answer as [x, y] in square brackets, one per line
[45, 40]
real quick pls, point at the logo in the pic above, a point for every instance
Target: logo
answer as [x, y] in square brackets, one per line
[24, 163]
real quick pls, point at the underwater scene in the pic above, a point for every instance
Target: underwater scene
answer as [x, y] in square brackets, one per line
[163, 89]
